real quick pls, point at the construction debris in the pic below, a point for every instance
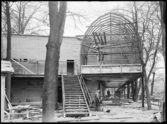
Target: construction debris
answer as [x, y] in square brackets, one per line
[23, 112]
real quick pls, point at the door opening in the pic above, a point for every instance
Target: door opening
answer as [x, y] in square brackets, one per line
[70, 67]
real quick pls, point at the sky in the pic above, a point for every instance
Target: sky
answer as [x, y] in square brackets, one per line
[91, 10]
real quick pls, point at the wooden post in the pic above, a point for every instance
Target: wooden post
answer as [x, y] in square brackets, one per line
[135, 88]
[142, 91]
[114, 92]
[132, 87]
[128, 91]
[124, 91]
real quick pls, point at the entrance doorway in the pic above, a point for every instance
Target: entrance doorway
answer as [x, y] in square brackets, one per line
[70, 67]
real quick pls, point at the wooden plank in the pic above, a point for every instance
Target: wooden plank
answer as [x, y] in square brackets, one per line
[94, 38]
[98, 38]
[105, 38]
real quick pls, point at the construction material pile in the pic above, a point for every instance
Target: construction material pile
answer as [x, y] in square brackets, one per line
[23, 112]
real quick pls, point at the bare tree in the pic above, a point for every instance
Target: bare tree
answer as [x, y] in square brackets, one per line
[149, 41]
[8, 79]
[57, 16]
[23, 17]
[149, 34]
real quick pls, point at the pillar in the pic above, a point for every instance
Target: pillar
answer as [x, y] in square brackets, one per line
[132, 87]
[135, 88]
[142, 91]
[124, 91]
[128, 91]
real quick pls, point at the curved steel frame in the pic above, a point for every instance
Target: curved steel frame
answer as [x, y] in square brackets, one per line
[109, 35]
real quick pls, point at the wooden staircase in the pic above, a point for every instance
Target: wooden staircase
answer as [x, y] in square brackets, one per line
[74, 101]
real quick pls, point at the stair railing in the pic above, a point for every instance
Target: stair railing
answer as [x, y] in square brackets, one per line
[85, 89]
[63, 92]
[84, 95]
[89, 98]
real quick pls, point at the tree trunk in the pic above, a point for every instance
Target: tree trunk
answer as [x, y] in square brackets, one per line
[152, 84]
[147, 91]
[8, 79]
[57, 16]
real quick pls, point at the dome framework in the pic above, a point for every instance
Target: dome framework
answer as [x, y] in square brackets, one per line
[110, 39]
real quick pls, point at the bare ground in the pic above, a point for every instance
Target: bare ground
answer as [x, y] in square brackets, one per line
[125, 113]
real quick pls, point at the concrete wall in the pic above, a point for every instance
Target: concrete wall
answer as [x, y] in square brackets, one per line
[27, 89]
[33, 48]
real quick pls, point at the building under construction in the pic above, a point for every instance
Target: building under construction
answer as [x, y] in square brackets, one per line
[107, 56]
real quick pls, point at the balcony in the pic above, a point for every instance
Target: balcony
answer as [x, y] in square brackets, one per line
[112, 68]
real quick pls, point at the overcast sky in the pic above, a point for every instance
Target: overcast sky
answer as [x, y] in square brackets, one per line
[92, 10]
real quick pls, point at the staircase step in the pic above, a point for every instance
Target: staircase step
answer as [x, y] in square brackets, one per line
[67, 101]
[76, 93]
[73, 95]
[76, 107]
[68, 95]
[81, 96]
[71, 80]
[74, 102]
[75, 99]
[73, 91]
[76, 110]
[72, 85]
[77, 113]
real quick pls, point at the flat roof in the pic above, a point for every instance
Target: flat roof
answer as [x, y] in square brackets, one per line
[29, 75]
[39, 35]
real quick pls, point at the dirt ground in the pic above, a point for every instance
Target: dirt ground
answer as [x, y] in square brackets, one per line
[132, 112]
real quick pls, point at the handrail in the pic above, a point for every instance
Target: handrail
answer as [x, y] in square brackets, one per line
[22, 66]
[85, 89]
[83, 93]
[63, 92]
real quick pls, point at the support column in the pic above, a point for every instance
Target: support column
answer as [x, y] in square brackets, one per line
[128, 91]
[135, 95]
[142, 91]
[132, 87]
[114, 92]
[8, 86]
[124, 91]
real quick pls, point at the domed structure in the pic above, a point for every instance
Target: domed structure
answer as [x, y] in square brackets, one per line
[110, 39]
